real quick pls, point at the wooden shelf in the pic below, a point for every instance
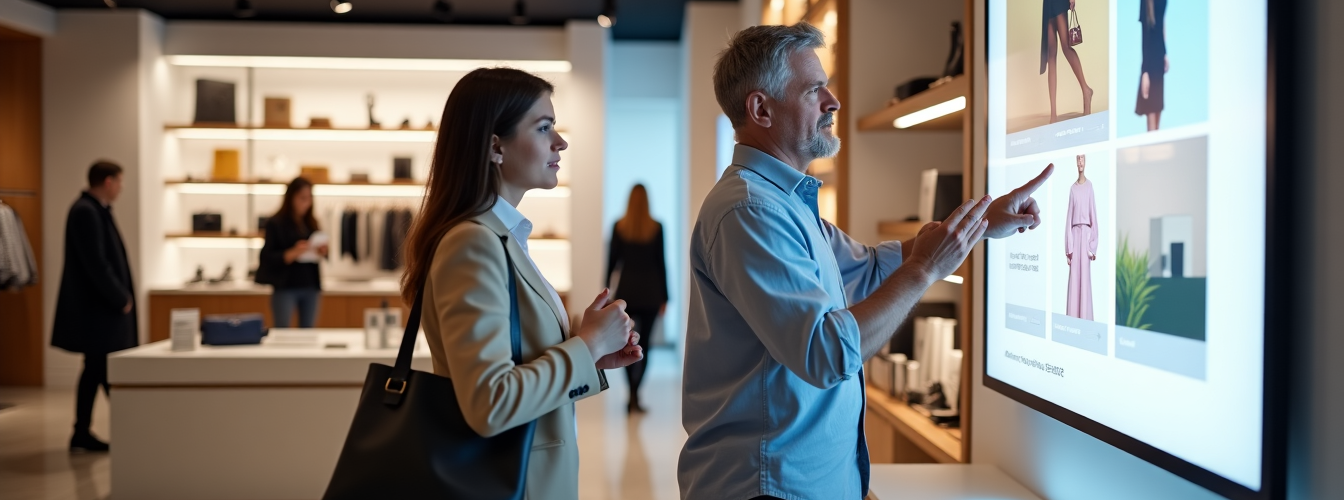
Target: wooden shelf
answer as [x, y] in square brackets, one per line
[941, 443]
[883, 119]
[174, 182]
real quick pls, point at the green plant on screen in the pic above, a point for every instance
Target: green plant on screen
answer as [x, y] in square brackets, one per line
[1133, 293]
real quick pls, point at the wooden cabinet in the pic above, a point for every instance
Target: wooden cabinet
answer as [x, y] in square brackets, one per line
[335, 311]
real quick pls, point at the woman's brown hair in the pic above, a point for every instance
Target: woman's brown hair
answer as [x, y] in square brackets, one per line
[638, 225]
[462, 182]
[286, 212]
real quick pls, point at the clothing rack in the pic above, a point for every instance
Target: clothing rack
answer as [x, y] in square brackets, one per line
[17, 192]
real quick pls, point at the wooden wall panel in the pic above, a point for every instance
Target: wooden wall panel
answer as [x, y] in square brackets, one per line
[21, 339]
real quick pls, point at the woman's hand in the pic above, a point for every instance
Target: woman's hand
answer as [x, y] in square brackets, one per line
[1073, 4]
[628, 355]
[323, 250]
[606, 327]
[1091, 256]
[1143, 85]
[1068, 259]
[294, 252]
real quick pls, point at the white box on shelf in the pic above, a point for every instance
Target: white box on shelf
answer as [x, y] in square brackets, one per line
[185, 329]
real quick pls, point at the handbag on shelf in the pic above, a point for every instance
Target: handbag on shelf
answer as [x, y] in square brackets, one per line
[410, 440]
[1075, 28]
[232, 329]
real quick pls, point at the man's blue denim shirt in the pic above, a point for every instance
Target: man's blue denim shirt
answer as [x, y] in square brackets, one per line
[773, 395]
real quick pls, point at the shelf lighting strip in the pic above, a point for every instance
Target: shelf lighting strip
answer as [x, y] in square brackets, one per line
[367, 63]
[931, 112]
[219, 243]
[369, 190]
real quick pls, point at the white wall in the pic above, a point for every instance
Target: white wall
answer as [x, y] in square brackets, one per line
[91, 98]
[705, 32]
[1061, 463]
[586, 109]
[27, 16]
[643, 139]
[365, 40]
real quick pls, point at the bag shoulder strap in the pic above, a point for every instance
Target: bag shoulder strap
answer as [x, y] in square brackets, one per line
[396, 382]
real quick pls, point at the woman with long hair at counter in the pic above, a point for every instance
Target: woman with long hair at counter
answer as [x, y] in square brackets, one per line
[498, 141]
[289, 261]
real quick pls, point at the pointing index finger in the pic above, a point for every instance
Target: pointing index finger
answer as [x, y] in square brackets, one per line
[1034, 184]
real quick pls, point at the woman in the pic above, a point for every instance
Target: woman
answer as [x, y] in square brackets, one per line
[497, 141]
[289, 261]
[1055, 30]
[1153, 16]
[636, 260]
[1080, 243]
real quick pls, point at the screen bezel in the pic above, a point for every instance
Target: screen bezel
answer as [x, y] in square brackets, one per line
[1278, 290]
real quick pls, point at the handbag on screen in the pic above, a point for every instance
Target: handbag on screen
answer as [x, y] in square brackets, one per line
[410, 440]
[1075, 28]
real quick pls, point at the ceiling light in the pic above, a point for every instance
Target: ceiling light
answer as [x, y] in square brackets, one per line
[243, 9]
[443, 10]
[342, 6]
[931, 112]
[777, 5]
[519, 13]
[607, 18]
[111, 4]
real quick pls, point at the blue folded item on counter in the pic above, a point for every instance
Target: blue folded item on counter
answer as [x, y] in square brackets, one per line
[232, 329]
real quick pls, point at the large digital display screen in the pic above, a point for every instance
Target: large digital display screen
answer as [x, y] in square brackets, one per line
[1136, 311]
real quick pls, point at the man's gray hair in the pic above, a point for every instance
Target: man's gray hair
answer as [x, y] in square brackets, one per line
[757, 58]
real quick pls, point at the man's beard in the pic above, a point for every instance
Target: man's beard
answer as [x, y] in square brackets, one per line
[821, 144]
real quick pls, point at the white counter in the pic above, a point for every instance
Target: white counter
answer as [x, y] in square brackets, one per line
[238, 422]
[944, 482]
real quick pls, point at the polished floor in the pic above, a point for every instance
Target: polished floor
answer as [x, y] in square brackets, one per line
[622, 457]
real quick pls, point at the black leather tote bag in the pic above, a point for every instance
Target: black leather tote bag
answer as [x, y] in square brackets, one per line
[409, 439]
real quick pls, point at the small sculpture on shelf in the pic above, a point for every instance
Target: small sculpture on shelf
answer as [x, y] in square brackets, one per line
[373, 124]
[200, 275]
[406, 124]
[226, 276]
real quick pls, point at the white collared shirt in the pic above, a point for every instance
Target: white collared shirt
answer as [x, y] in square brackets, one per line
[521, 229]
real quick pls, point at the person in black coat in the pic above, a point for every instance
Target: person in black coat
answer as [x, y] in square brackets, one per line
[95, 308]
[296, 284]
[637, 271]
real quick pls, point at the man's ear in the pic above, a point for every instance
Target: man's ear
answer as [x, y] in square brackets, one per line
[496, 150]
[758, 109]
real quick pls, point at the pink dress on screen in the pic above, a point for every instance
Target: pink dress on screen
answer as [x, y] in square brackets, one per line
[1080, 239]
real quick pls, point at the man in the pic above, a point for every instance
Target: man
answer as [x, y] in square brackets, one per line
[95, 309]
[785, 307]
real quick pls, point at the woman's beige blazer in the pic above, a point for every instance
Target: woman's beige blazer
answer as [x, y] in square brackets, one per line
[466, 322]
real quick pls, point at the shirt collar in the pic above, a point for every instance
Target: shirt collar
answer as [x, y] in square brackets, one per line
[512, 218]
[775, 171]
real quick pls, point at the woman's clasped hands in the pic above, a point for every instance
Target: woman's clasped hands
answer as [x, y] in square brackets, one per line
[608, 332]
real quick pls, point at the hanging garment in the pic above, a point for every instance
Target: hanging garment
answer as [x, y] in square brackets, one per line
[18, 267]
[350, 234]
[1080, 244]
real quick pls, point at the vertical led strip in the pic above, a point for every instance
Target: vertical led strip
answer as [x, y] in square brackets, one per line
[931, 112]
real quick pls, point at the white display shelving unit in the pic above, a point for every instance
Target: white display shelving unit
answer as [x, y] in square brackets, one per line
[331, 88]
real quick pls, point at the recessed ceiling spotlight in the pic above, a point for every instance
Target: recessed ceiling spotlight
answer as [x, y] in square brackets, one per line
[342, 6]
[242, 9]
[519, 13]
[443, 10]
[607, 18]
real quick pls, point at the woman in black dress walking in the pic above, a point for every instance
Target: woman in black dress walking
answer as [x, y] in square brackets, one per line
[636, 261]
[1055, 30]
[1153, 16]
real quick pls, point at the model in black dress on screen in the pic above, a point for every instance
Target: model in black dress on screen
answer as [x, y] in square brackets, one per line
[1153, 15]
[637, 262]
[1055, 32]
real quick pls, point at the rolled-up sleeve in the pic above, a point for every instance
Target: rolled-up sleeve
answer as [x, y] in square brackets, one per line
[862, 267]
[761, 262]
